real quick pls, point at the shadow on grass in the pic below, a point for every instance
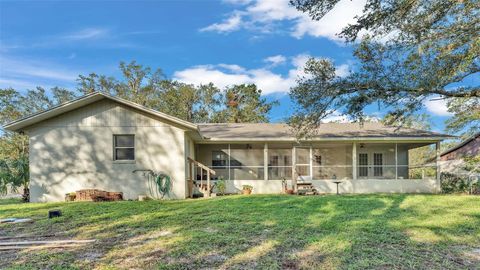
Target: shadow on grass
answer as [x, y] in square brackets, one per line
[269, 231]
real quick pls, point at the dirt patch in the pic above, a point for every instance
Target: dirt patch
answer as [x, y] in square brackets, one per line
[210, 230]
[473, 254]
[215, 258]
[143, 238]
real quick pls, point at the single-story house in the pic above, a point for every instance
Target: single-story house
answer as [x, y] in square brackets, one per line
[98, 140]
[452, 159]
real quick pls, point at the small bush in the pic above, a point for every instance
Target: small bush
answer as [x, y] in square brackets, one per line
[452, 183]
[221, 186]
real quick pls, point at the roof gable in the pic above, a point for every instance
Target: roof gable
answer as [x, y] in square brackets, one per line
[30, 120]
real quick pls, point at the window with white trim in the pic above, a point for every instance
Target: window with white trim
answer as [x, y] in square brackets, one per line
[123, 147]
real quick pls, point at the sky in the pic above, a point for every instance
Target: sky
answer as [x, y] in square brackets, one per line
[266, 42]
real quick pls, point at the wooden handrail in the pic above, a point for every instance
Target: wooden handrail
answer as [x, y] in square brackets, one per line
[191, 163]
[212, 172]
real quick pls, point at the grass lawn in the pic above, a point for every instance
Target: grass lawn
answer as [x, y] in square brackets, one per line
[264, 231]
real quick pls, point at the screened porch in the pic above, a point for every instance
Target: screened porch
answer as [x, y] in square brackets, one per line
[320, 161]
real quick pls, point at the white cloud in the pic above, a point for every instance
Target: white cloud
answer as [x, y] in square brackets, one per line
[233, 68]
[263, 14]
[275, 60]
[342, 70]
[232, 23]
[437, 106]
[336, 117]
[87, 33]
[332, 23]
[265, 79]
[237, 2]
[223, 75]
[23, 73]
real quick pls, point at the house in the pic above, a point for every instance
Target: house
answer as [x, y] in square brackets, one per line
[467, 148]
[452, 160]
[97, 141]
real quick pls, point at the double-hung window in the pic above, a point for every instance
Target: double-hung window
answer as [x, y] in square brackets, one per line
[123, 147]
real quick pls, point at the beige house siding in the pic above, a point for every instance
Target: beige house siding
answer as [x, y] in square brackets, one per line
[75, 151]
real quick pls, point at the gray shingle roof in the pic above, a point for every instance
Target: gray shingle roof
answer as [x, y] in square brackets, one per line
[267, 131]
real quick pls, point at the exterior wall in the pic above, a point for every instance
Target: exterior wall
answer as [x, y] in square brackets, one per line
[75, 151]
[470, 149]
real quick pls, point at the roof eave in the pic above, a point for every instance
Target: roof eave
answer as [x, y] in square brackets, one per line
[341, 139]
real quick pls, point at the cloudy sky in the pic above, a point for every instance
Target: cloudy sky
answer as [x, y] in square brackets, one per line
[49, 43]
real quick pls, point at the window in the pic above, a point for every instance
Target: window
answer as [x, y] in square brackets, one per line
[123, 147]
[219, 159]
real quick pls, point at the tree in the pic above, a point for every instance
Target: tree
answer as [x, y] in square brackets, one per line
[466, 116]
[198, 104]
[408, 51]
[13, 146]
[244, 104]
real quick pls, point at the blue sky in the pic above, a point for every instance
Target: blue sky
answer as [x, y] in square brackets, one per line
[49, 43]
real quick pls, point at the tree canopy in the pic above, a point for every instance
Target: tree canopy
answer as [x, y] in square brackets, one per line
[407, 52]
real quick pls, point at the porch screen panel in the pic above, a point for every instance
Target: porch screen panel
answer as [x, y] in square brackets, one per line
[363, 165]
[246, 161]
[214, 156]
[378, 164]
[279, 162]
[420, 161]
[302, 160]
[332, 161]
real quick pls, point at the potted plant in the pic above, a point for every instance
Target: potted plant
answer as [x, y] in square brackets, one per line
[247, 189]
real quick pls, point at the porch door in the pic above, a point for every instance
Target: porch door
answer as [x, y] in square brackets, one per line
[302, 163]
[363, 165]
[377, 164]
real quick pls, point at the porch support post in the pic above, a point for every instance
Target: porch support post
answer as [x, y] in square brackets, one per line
[294, 169]
[265, 162]
[354, 161]
[437, 163]
[190, 179]
[396, 161]
[229, 158]
[208, 183]
[311, 162]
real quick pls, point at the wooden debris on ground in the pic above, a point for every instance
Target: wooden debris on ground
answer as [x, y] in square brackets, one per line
[43, 244]
[15, 220]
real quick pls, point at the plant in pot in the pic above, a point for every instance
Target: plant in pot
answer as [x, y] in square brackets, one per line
[247, 189]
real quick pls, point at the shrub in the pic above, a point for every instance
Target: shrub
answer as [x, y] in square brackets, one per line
[221, 186]
[452, 183]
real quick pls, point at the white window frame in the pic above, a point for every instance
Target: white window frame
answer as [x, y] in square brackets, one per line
[124, 147]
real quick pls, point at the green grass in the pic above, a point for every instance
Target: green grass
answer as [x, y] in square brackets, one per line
[264, 232]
